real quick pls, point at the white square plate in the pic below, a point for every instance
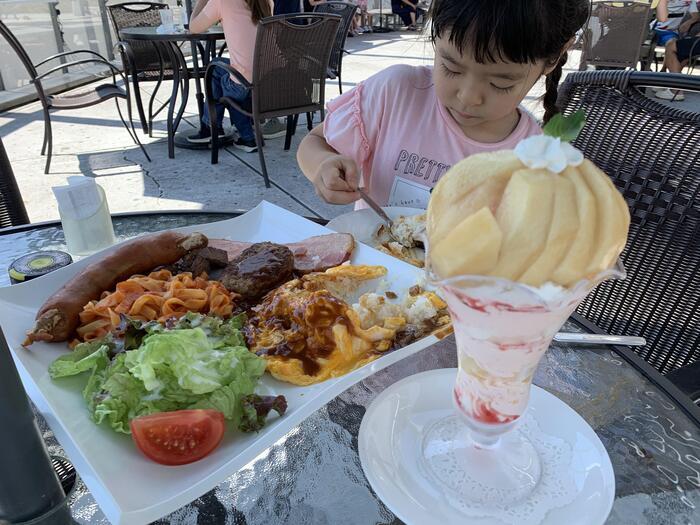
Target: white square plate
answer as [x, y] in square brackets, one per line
[129, 488]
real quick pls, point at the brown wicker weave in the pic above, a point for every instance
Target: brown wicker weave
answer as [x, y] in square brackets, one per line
[148, 64]
[95, 94]
[652, 153]
[346, 11]
[615, 33]
[289, 72]
[12, 210]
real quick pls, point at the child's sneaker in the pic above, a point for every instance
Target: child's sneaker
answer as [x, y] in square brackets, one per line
[249, 146]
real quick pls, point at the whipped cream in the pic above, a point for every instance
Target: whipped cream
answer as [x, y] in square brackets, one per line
[543, 151]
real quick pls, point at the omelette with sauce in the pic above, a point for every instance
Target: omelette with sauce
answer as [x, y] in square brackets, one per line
[308, 330]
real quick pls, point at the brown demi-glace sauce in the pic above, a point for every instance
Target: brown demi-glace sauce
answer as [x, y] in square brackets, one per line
[296, 324]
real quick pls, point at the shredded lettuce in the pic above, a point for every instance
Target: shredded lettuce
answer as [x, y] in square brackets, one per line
[196, 362]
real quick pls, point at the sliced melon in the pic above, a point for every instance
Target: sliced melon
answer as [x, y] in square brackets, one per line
[613, 222]
[524, 216]
[562, 232]
[573, 267]
[471, 248]
[473, 183]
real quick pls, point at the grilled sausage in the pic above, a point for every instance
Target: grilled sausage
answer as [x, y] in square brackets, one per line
[58, 317]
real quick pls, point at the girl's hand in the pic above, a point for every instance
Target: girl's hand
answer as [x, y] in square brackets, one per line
[337, 179]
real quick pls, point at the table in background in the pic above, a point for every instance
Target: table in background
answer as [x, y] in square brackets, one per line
[313, 475]
[166, 43]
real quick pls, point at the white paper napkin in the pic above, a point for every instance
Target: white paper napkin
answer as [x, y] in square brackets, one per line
[80, 199]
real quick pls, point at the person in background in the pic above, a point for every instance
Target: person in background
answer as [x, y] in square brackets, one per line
[397, 132]
[359, 21]
[286, 7]
[678, 54]
[355, 26]
[310, 4]
[240, 21]
[667, 25]
[408, 11]
[365, 17]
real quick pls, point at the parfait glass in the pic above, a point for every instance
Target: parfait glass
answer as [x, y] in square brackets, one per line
[502, 329]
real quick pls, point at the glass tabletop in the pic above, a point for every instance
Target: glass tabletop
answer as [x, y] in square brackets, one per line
[153, 33]
[313, 475]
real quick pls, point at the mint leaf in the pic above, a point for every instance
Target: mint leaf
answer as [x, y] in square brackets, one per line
[565, 128]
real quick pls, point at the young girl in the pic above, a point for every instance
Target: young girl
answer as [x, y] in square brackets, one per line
[397, 132]
[240, 20]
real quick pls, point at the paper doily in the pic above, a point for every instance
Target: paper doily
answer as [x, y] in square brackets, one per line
[556, 487]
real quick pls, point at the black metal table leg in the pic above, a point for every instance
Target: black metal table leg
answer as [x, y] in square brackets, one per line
[173, 98]
[161, 73]
[182, 65]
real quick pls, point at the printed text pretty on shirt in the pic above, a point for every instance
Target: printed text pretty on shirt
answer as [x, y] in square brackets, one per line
[420, 167]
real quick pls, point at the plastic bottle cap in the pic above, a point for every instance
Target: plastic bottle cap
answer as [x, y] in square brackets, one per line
[36, 264]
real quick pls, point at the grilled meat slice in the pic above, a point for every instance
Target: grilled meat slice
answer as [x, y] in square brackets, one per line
[258, 269]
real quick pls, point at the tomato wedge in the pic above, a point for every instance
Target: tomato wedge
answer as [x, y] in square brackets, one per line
[180, 437]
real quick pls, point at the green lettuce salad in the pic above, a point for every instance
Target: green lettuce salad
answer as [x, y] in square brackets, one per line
[195, 362]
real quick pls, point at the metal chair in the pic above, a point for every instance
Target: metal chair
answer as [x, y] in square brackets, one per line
[346, 11]
[289, 73]
[96, 94]
[148, 64]
[12, 210]
[651, 152]
[614, 34]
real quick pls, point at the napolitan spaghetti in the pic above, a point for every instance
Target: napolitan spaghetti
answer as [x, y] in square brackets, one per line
[157, 296]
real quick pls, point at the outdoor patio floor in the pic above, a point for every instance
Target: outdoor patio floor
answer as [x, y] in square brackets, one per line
[92, 142]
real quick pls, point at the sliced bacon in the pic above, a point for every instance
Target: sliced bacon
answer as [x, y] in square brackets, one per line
[315, 254]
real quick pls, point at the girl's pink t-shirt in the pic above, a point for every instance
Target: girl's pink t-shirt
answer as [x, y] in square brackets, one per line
[401, 137]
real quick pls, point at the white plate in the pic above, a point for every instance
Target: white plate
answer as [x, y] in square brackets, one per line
[363, 224]
[129, 488]
[390, 441]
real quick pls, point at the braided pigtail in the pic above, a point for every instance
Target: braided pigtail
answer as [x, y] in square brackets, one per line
[549, 100]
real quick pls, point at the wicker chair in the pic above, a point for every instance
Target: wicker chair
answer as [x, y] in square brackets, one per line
[148, 64]
[96, 94]
[289, 73]
[652, 153]
[614, 34]
[346, 11]
[12, 211]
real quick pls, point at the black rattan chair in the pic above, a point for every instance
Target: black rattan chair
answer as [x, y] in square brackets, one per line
[148, 65]
[615, 34]
[12, 210]
[96, 94]
[651, 152]
[346, 11]
[289, 73]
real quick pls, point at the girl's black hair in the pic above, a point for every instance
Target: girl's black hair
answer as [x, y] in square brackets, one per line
[521, 31]
[259, 9]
